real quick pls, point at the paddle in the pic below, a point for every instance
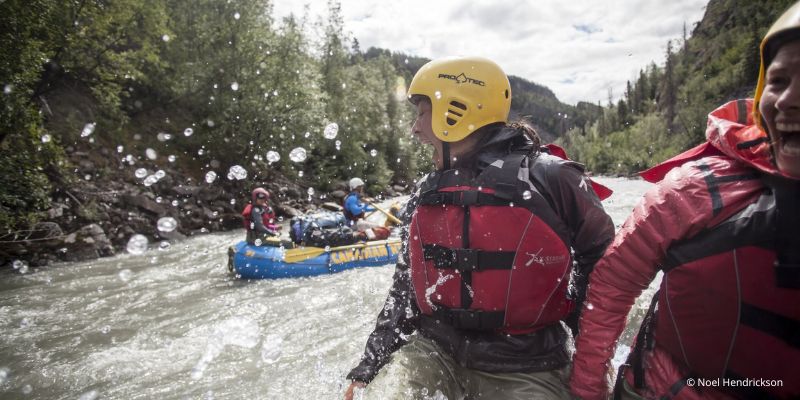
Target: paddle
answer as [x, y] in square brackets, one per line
[302, 254]
[388, 214]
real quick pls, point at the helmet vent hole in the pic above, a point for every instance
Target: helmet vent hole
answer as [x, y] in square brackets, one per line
[506, 93]
[458, 105]
[451, 121]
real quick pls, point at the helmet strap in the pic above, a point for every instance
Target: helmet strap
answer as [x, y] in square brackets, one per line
[445, 155]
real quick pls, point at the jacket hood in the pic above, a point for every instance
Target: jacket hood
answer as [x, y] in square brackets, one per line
[731, 131]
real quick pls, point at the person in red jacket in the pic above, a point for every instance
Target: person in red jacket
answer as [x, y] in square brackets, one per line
[258, 218]
[723, 224]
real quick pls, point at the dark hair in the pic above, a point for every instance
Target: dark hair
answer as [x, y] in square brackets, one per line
[527, 129]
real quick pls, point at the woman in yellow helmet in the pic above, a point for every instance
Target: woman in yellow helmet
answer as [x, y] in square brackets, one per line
[722, 224]
[488, 254]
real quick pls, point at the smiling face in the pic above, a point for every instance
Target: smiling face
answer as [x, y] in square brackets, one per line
[780, 107]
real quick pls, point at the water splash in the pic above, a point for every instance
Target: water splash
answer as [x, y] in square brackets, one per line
[88, 129]
[237, 172]
[331, 130]
[167, 224]
[211, 176]
[298, 154]
[137, 244]
[236, 331]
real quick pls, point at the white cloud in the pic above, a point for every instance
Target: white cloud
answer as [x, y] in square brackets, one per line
[577, 48]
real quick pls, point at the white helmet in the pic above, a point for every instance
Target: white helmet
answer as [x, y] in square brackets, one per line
[355, 183]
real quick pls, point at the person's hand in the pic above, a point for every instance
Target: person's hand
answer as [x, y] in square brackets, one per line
[348, 394]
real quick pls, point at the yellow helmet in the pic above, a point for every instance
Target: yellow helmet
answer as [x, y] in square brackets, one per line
[787, 27]
[466, 93]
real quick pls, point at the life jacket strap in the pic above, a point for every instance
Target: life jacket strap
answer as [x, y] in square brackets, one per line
[473, 320]
[462, 198]
[467, 259]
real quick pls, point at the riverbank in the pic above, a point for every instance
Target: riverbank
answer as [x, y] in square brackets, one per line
[114, 196]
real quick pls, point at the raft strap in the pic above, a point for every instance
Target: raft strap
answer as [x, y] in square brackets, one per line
[467, 259]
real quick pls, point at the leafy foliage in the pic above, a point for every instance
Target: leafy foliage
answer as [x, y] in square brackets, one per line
[718, 63]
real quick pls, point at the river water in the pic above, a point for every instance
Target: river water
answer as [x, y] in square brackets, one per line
[174, 323]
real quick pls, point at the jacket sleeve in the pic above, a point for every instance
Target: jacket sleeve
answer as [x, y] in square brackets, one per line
[591, 227]
[396, 321]
[676, 208]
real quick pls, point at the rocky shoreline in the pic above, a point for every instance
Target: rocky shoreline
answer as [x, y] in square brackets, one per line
[96, 216]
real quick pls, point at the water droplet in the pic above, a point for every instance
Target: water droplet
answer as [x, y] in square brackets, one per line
[160, 174]
[589, 306]
[310, 191]
[167, 224]
[120, 149]
[188, 132]
[88, 129]
[437, 94]
[327, 248]
[7, 89]
[27, 389]
[174, 203]
[164, 245]
[4, 375]
[105, 329]
[46, 138]
[373, 152]
[87, 177]
[211, 176]
[200, 152]
[150, 180]
[172, 158]
[210, 123]
[237, 15]
[23, 269]
[298, 154]
[163, 136]
[165, 38]
[237, 172]
[526, 195]
[90, 395]
[307, 134]
[125, 275]
[137, 244]
[331, 130]
[17, 264]
[234, 86]
[257, 242]
[273, 156]
[159, 199]
[151, 154]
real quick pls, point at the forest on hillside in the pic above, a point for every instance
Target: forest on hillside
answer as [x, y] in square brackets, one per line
[213, 93]
[199, 86]
[663, 110]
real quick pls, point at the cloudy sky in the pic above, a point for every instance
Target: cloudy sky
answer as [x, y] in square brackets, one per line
[578, 48]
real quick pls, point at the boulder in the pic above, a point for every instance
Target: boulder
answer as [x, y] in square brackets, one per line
[288, 211]
[144, 203]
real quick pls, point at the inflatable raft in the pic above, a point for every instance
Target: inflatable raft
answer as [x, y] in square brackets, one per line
[273, 260]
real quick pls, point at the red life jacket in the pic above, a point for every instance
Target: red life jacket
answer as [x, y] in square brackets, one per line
[740, 323]
[488, 252]
[267, 217]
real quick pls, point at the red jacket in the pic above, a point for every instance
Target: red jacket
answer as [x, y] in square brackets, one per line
[698, 190]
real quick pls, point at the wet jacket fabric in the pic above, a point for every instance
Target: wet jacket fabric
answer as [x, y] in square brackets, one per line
[711, 225]
[590, 229]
